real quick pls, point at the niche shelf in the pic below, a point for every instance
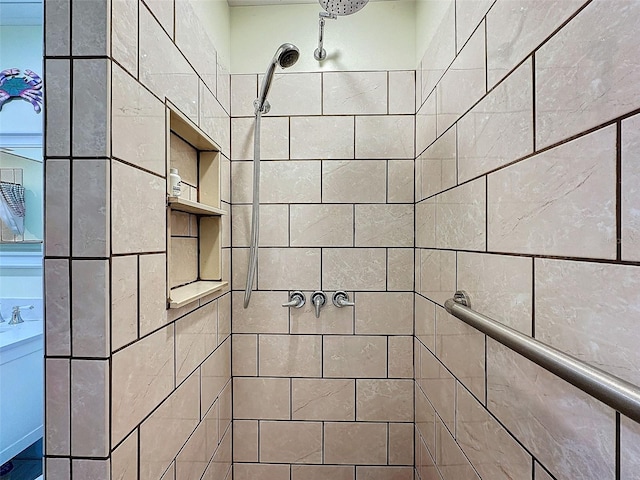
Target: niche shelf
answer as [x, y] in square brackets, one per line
[194, 224]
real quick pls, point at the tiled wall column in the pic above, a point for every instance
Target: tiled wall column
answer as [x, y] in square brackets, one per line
[525, 197]
[133, 390]
[327, 398]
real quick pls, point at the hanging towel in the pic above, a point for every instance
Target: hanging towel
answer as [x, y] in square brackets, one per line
[12, 209]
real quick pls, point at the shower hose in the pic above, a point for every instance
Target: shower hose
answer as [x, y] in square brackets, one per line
[255, 213]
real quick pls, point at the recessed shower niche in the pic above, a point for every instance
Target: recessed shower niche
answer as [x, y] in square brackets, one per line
[194, 224]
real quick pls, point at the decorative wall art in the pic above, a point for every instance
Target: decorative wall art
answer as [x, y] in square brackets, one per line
[27, 86]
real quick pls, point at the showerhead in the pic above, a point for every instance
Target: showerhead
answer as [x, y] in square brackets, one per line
[342, 7]
[286, 55]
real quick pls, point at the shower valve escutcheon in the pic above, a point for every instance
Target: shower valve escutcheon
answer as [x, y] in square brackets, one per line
[318, 299]
[341, 299]
[296, 300]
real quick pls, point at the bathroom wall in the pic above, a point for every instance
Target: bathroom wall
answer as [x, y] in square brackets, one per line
[134, 391]
[328, 397]
[378, 37]
[526, 197]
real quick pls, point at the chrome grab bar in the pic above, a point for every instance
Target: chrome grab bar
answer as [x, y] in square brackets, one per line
[615, 392]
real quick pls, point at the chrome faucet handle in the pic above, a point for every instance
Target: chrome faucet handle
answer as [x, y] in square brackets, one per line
[341, 299]
[296, 300]
[15, 316]
[318, 299]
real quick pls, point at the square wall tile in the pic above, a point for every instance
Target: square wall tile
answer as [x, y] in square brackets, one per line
[450, 459]
[384, 225]
[307, 144]
[439, 386]
[469, 14]
[290, 355]
[214, 120]
[389, 136]
[261, 471]
[437, 275]
[440, 52]
[195, 338]
[94, 469]
[384, 400]
[544, 214]
[322, 472]
[355, 181]
[291, 442]
[519, 394]
[261, 398]
[384, 313]
[295, 94]
[322, 399]
[567, 101]
[426, 123]
[274, 138]
[263, 315]
[321, 225]
[290, 182]
[355, 443]
[589, 310]
[275, 272]
[354, 269]
[355, 357]
[400, 364]
[516, 27]
[138, 210]
[273, 227]
[352, 93]
[215, 375]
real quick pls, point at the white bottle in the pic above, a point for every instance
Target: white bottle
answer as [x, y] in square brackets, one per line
[175, 182]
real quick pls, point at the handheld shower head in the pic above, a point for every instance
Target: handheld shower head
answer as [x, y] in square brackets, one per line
[286, 55]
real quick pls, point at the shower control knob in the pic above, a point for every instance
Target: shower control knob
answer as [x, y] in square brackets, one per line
[296, 300]
[318, 299]
[341, 299]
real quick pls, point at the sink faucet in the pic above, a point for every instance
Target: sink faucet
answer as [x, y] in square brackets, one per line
[15, 314]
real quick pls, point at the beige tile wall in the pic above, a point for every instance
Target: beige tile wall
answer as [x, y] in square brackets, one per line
[327, 398]
[526, 197]
[134, 391]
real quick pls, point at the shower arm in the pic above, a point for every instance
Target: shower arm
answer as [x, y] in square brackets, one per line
[320, 53]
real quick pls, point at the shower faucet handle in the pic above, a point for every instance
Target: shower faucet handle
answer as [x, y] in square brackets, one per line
[318, 299]
[341, 299]
[296, 300]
